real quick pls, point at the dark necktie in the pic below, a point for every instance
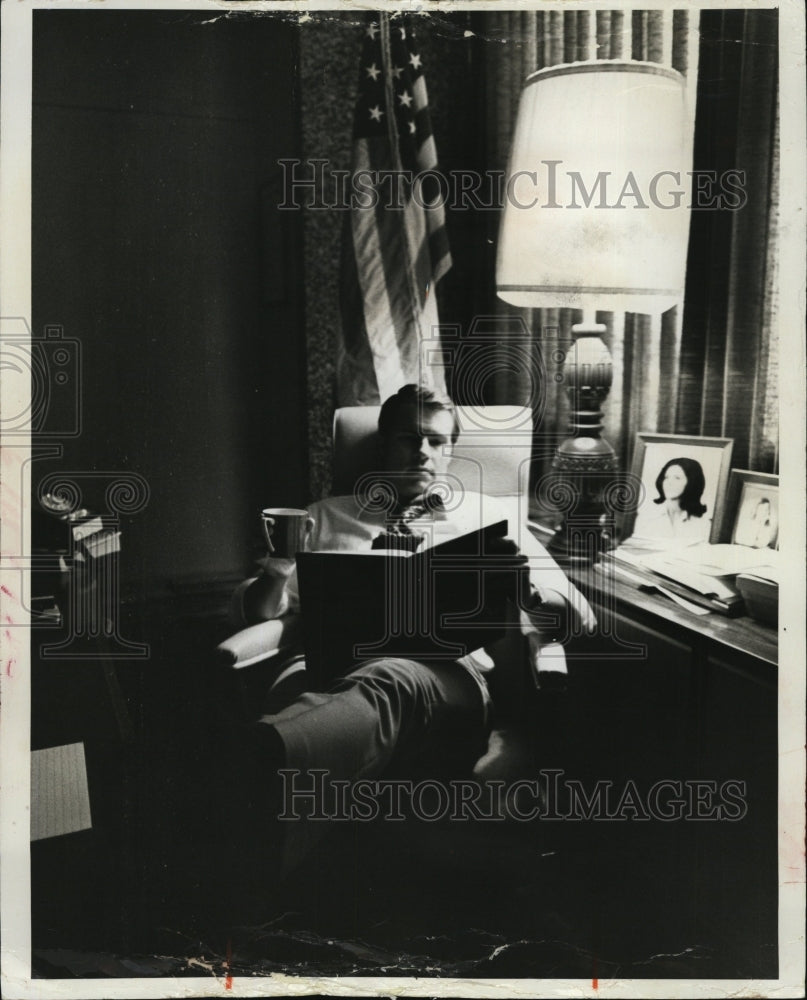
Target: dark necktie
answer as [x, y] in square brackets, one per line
[398, 533]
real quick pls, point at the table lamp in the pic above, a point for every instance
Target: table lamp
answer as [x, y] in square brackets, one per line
[596, 217]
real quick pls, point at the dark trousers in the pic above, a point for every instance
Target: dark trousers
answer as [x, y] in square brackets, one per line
[387, 711]
[389, 714]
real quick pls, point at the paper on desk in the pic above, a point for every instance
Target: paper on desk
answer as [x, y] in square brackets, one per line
[706, 569]
[705, 559]
[642, 581]
[60, 798]
[689, 576]
[694, 609]
[724, 560]
[633, 556]
[769, 573]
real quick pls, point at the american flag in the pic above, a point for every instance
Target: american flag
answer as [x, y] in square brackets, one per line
[394, 252]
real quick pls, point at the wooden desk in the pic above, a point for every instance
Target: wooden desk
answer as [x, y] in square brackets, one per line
[739, 641]
[660, 694]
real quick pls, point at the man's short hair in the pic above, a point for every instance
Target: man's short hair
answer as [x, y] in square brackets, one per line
[420, 397]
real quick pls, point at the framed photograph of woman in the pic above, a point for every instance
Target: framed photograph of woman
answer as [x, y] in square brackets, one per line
[752, 510]
[681, 485]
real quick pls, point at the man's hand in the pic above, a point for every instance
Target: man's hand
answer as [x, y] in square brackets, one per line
[275, 568]
[265, 597]
[505, 571]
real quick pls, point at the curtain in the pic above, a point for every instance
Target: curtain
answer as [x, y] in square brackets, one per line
[708, 369]
[729, 354]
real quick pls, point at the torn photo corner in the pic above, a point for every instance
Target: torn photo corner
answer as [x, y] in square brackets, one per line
[539, 263]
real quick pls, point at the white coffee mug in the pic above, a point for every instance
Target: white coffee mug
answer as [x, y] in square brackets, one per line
[285, 530]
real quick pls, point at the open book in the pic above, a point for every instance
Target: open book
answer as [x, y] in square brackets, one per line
[429, 604]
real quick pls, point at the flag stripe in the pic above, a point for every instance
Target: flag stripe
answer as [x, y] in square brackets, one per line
[427, 153]
[379, 241]
[417, 239]
[383, 319]
[438, 250]
[419, 93]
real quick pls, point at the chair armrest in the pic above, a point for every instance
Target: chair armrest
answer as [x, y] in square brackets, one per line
[259, 642]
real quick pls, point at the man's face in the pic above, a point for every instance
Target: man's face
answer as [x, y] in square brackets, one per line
[418, 449]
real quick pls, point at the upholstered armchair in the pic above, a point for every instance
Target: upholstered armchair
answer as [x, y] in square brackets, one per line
[492, 456]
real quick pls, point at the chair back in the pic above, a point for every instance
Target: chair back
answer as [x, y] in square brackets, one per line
[492, 453]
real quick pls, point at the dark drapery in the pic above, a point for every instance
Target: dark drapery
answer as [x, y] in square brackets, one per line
[729, 359]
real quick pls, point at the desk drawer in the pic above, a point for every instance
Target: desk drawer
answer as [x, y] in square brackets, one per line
[634, 697]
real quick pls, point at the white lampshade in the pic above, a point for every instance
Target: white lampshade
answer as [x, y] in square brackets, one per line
[617, 136]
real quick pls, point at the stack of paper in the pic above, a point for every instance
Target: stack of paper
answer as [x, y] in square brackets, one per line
[724, 560]
[703, 574]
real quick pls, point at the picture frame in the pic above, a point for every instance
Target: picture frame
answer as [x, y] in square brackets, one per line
[751, 514]
[702, 503]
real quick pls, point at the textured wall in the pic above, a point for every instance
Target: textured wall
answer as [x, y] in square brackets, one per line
[329, 47]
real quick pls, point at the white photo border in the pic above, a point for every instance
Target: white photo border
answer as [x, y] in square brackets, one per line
[15, 299]
[646, 446]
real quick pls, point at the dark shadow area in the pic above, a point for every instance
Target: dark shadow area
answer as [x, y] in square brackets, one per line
[563, 898]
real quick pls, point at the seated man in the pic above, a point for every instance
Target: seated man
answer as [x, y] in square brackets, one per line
[393, 709]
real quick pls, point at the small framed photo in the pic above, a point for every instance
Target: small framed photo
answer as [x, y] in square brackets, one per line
[681, 486]
[752, 510]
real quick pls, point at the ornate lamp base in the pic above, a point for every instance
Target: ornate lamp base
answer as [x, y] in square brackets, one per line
[584, 468]
[585, 465]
